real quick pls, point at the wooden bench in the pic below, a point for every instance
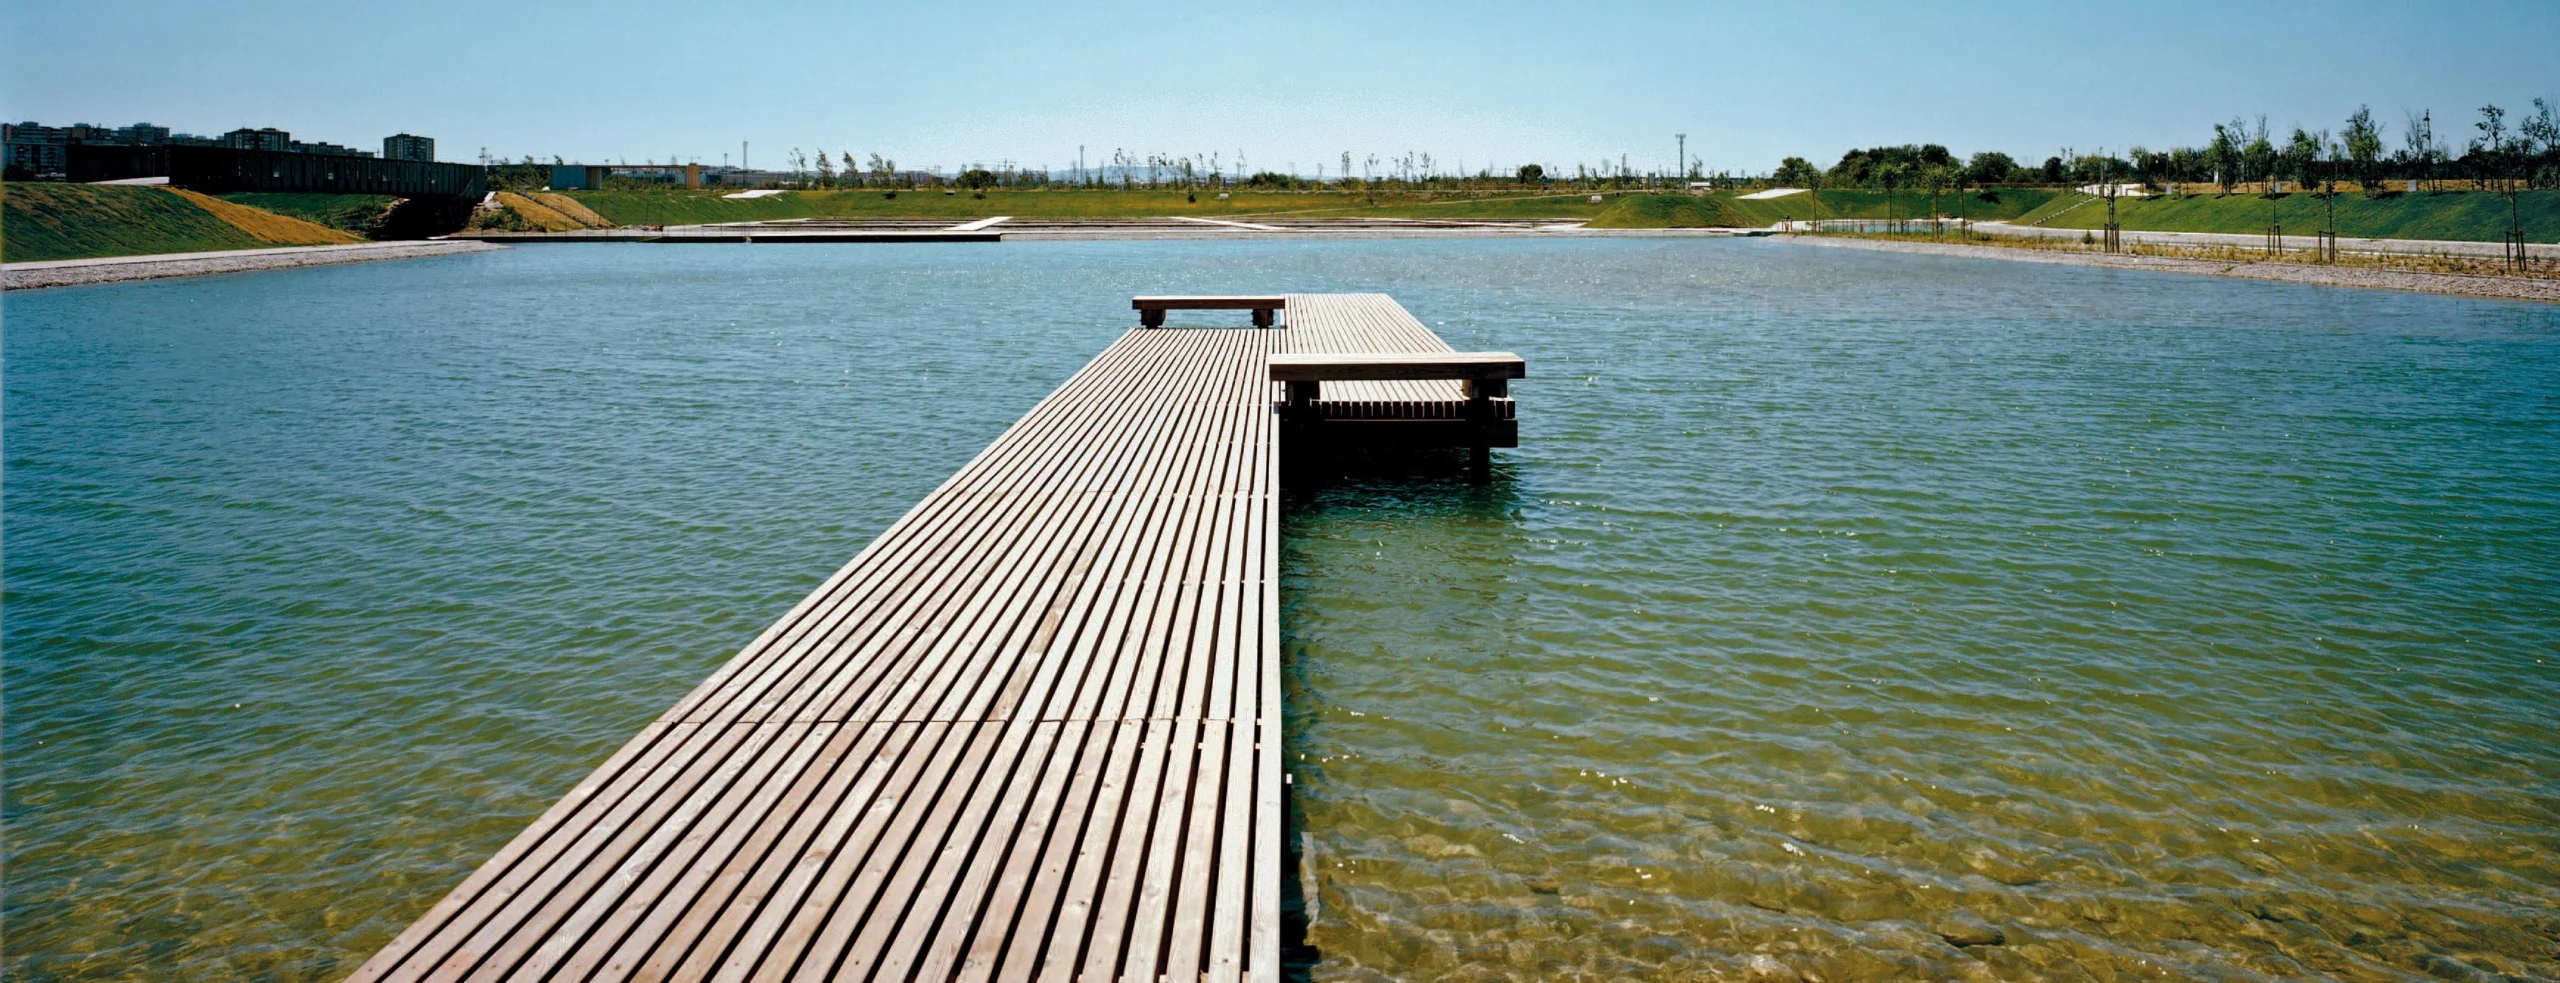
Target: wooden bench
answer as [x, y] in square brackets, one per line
[1484, 377]
[1151, 309]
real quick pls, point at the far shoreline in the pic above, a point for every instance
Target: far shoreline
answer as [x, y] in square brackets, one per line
[2456, 284]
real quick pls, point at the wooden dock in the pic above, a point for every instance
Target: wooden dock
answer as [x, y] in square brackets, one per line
[1030, 732]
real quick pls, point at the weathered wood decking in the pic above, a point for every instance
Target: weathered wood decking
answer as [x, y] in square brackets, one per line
[1031, 731]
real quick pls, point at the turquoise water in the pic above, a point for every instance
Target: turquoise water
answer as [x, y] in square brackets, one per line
[1835, 602]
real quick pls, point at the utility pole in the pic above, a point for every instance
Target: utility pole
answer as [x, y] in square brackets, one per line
[1681, 162]
[742, 156]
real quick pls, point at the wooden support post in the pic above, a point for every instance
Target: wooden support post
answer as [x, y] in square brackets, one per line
[1151, 318]
[1298, 423]
[1262, 317]
[1480, 396]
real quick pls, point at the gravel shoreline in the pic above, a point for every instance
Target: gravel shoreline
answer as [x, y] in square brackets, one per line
[2498, 287]
[77, 272]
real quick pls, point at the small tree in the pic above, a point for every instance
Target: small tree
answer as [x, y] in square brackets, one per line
[2541, 138]
[2259, 157]
[1797, 172]
[1989, 167]
[2301, 154]
[2487, 152]
[1532, 174]
[2223, 154]
[2363, 140]
[1939, 179]
[2419, 146]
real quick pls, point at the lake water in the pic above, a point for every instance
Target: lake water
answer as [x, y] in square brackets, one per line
[1835, 602]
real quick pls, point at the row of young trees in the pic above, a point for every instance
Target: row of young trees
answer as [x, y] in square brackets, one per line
[2497, 154]
[2502, 151]
[1129, 170]
[2500, 154]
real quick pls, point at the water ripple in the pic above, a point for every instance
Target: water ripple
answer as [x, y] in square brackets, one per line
[1834, 602]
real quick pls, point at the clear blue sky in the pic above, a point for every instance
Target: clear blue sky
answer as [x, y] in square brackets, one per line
[1295, 83]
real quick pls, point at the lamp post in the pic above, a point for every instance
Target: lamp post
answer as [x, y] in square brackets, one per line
[1680, 163]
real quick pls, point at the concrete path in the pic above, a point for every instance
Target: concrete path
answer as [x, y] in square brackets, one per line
[2462, 284]
[108, 269]
[1224, 222]
[981, 223]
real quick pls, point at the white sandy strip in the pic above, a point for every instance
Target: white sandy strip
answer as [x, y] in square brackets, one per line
[1224, 222]
[757, 193]
[1772, 193]
[979, 224]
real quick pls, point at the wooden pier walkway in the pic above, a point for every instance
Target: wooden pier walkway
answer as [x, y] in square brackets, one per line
[1030, 732]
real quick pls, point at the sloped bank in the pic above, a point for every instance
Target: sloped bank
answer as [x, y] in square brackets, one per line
[80, 221]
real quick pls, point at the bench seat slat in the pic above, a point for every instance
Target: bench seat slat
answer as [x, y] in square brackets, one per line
[1380, 367]
[1204, 302]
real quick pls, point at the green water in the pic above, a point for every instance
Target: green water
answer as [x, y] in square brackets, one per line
[2167, 627]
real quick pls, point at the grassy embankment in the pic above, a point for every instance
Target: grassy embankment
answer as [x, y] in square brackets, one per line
[2467, 216]
[701, 207]
[1733, 211]
[81, 221]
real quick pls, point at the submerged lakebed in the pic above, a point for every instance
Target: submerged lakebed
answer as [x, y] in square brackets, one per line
[1837, 608]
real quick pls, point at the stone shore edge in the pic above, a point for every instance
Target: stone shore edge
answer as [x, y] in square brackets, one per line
[30, 276]
[2494, 287]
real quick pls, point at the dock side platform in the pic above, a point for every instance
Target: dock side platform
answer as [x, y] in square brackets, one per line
[1032, 731]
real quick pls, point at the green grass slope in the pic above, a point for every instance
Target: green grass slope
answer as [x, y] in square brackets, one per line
[1615, 210]
[81, 221]
[2469, 216]
[360, 214]
[1675, 212]
[2456, 216]
[1733, 211]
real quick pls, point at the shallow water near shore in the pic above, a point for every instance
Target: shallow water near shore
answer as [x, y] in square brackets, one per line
[1836, 604]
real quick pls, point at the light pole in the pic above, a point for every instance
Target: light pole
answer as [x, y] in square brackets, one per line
[1681, 162]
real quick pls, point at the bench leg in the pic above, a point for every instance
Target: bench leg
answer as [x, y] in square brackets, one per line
[1151, 319]
[1262, 317]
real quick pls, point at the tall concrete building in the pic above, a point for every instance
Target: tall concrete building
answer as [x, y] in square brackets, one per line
[262, 138]
[408, 146]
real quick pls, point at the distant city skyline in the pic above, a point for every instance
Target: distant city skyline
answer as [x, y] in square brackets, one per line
[1483, 85]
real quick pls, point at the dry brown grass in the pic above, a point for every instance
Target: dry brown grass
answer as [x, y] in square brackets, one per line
[266, 226]
[539, 215]
[572, 208]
